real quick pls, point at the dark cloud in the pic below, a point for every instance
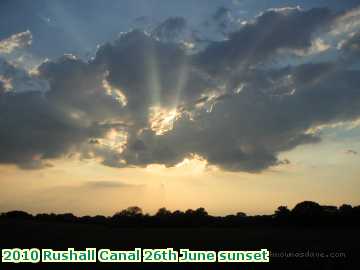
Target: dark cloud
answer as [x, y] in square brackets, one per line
[224, 19]
[2, 88]
[255, 43]
[248, 130]
[171, 29]
[19, 80]
[32, 130]
[78, 87]
[151, 72]
[230, 103]
[351, 46]
[40, 123]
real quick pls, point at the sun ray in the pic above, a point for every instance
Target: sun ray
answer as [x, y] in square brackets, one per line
[153, 78]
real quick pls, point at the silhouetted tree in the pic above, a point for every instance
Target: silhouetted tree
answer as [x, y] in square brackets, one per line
[330, 209]
[282, 212]
[67, 217]
[345, 209]
[201, 212]
[356, 210]
[18, 214]
[163, 212]
[46, 217]
[98, 219]
[307, 209]
[131, 211]
[241, 215]
[178, 214]
[304, 213]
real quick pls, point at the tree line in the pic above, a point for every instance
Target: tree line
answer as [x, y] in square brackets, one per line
[304, 213]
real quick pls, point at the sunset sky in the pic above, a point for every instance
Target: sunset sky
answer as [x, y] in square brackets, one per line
[230, 105]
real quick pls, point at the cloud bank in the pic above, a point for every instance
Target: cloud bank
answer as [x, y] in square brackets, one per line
[145, 99]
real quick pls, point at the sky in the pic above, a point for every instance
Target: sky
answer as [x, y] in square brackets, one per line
[230, 105]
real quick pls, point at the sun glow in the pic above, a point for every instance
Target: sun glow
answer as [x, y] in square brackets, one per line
[161, 120]
[116, 93]
[7, 83]
[115, 140]
[193, 164]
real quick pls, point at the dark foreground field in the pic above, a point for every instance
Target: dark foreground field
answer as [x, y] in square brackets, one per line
[341, 242]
